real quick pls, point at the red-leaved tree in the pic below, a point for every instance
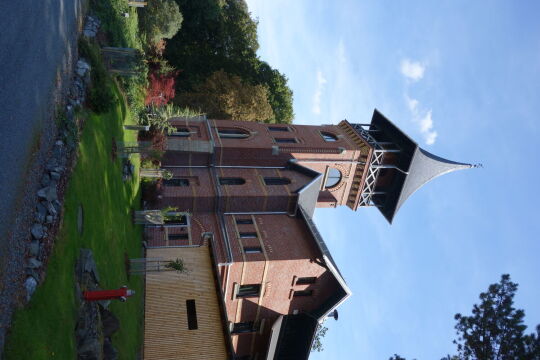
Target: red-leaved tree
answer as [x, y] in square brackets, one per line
[161, 89]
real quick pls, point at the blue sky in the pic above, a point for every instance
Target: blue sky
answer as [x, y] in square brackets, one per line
[463, 79]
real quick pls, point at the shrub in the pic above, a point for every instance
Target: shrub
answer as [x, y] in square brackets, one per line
[162, 20]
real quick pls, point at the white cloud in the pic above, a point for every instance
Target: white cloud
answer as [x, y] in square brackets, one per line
[321, 81]
[411, 103]
[412, 70]
[426, 128]
[423, 119]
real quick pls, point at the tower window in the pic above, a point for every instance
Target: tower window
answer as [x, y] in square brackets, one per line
[251, 290]
[279, 128]
[333, 178]
[306, 280]
[301, 293]
[248, 235]
[176, 182]
[285, 140]
[233, 133]
[231, 181]
[252, 250]
[276, 181]
[244, 221]
[329, 137]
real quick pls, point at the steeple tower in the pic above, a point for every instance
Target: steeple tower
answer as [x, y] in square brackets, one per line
[395, 167]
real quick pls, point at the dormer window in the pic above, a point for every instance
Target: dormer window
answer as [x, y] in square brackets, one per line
[329, 137]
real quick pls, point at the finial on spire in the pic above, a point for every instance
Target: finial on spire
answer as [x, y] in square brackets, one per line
[478, 166]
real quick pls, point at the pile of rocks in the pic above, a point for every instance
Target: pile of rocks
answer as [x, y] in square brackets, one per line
[77, 90]
[95, 323]
[47, 214]
[91, 26]
[49, 203]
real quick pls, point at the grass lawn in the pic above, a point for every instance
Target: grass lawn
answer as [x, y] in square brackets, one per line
[44, 329]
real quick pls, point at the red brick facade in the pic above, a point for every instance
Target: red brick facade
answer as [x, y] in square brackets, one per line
[241, 182]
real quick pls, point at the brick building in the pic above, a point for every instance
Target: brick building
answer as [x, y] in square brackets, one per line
[247, 192]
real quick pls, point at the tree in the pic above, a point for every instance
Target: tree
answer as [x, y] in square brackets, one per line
[220, 34]
[226, 96]
[161, 20]
[317, 341]
[161, 89]
[495, 330]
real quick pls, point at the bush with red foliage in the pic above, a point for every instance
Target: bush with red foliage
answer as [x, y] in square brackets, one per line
[161, 89]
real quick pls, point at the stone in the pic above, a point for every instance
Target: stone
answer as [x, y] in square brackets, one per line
[30, 285]
[33, 273]
[40, 217]
[59, 169]
[33, 248]
[55, 175]
[51, 164]
[38, 231]
[89, 33]
[109, 351]
[49, 219]
[60, 142]
[50, 208]
[111, 324]
[34, 263]
[81, 71]
[48, 193]
[87, 264]
[57, 206]
[90, 349]
[104, 303]
[45, 180]
[88, 332]
[82, 64]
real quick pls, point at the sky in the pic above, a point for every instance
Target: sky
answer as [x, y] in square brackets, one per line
[462, 78]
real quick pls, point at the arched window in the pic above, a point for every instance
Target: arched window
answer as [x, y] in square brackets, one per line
[276, 181]
[333, 178]
[234, 133]
[176, 182]
[231, 181]
[329, 137]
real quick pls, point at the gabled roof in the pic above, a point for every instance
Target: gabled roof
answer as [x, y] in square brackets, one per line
[344, 292]
[309, 193]
[417, 166]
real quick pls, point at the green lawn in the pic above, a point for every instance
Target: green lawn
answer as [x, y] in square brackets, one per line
[44, 329]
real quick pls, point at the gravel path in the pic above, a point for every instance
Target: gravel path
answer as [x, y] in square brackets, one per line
[37, 51]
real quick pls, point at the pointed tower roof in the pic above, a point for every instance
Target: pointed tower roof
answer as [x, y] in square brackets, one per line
[424, 167]
[413, 166]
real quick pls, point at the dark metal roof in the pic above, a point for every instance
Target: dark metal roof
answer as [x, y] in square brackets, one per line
[295, 337]
[419, 165]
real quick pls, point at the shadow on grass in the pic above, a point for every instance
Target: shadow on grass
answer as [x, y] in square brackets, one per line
[45, 328]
